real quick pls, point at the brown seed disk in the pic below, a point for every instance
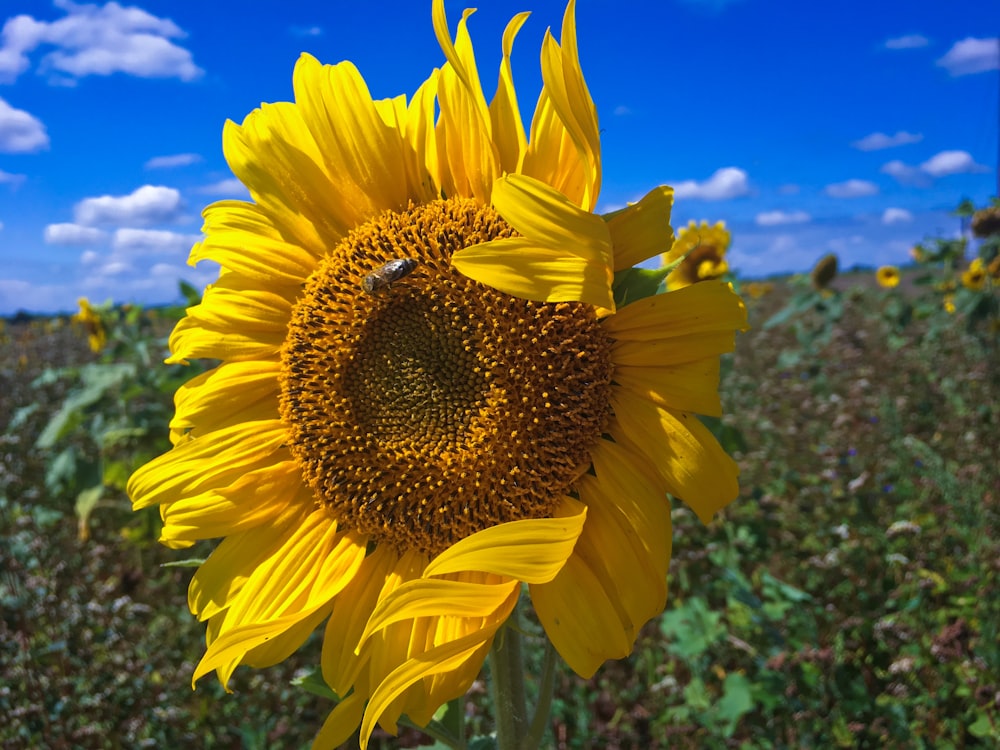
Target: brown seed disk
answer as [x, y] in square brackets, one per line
[439, 406]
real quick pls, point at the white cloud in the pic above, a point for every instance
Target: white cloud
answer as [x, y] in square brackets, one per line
[152, 241]
[621, 110]
[776, 218]
[728, 182]
[851, 189]
[878, 141]
[951, 162]
[789, 189]
[229, 188]
[150, 204]
[305, 31]
[20, 131]
[73, 234]
[896, 216]
[1, 226]
[908, 41]
[940, 165]
[14, 180]
[174, 160]
[97, 40]
[971, 55]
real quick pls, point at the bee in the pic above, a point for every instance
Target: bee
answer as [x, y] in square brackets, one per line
[384, 276]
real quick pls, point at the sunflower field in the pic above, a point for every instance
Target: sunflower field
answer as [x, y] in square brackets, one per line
[847, 598]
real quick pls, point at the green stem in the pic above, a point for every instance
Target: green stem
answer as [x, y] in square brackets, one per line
[546, 686]
[507, 678]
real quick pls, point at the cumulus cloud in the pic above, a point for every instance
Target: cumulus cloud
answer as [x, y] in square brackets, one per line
[940, 165]
[14, 180]
[150, 204]
[776, 218]
[951, 162]
[72, 234]
[971, 55]
[174, 160]
[621, 111]
[896, 216]
[20, 131]
[908, 41]
[96, 40]
[879, 141]
[152, 241]
[728, 182]
[851, 189]
[228, 188]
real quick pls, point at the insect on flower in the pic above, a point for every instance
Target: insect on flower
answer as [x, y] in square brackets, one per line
[384, 276]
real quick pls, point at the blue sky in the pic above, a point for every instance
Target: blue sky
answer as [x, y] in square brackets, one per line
[808, 128]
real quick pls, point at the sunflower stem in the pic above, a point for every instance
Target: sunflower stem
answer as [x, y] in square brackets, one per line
[507, 672]
[543, 706]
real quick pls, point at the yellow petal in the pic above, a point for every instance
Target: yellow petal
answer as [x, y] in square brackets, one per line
[531, 550]
[230, 393]
[302, 577]
[699, 308]
[642, 230]
[508, 129]
[469, 161]
[579, 618]
[256, 498]
[362, 154]
[219, 579]
[689, 458]
[340, 662]
[544, 215]
[444, 658]
[428, 597]
[421, 141]
[341, 723]
[565, 140]
[242, 237]
[210, 462]
[273, 153]
[671, 350]
[520, 268]
[692, 386]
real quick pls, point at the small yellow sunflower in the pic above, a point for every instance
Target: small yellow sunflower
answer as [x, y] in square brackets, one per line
[427, 396]
[974, 277]
[97, 335]
[948, 302]
[757, 289]
[705, 247]
[887, 277]
[993, 269]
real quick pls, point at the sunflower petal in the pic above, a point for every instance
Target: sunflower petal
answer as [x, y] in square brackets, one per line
[531, 550]
[693, 464]
[583, 645]
[469, 160]
[642, 230]
[210, 462]
[429, 597]
[508, 129]
[696, 309]
[691, 386]
[302, 577]
[231, 393]
[341, 723]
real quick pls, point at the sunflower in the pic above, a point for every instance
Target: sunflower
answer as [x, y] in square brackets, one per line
[887, 277]
[88, 317]
[703, 249]
[824, 272]
[427, 394]
[974, 277]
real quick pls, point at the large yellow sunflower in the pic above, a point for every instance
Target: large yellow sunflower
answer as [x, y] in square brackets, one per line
[705, 248]
[426, 395]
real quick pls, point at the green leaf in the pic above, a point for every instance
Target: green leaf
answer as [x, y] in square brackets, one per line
[86, 501]
[634, 284]
[736, 700]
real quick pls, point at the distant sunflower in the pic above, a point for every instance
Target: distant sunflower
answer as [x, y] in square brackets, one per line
[974, 277]
[706, 248]
[824, 272]
[90, 320]
[887, 277]
[426, 395]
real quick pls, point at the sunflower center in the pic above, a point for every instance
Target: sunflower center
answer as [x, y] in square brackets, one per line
[424, 406]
